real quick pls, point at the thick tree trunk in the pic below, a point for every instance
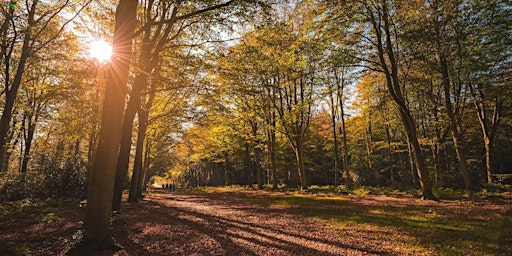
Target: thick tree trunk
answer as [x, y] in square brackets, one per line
[98, 232]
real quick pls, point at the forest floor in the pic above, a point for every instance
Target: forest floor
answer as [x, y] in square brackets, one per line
[255, 222]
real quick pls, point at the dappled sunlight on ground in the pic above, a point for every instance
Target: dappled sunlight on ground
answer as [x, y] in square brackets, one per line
[254, 222]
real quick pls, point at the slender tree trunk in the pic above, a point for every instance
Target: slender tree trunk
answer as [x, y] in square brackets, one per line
[28, 137]
[247, 166]
[335, 139]
[381, 23]
[299, 155]
[344, 149]
[98, 231]
[369, 150]
[456, 136]
[340, 87]
[273, 155]
[488, 158]
[271, 135]
[123, 158]
[12, 92]
[256, 158]
[488, 124]
[390, 156]
[137, 164]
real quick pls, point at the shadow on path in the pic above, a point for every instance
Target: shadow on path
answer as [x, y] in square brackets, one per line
[185, 224]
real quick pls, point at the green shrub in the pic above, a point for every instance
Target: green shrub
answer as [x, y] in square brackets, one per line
[362, 191]
[49, 180]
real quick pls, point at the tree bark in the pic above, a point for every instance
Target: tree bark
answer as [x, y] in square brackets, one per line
[335, 140]
[12, 92]
[299, 154]
[100, 192]
[456, 136]
[388, 62]
[137, 164]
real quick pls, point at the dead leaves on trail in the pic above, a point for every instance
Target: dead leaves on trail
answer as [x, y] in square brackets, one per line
[252, 222]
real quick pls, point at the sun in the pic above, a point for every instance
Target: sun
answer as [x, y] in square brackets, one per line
[100, 50]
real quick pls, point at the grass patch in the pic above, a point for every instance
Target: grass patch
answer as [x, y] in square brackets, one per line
[429, 228]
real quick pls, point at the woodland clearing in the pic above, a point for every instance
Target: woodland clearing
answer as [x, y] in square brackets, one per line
[255, 222]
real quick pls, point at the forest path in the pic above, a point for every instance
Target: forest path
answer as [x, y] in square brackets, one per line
[233, 223]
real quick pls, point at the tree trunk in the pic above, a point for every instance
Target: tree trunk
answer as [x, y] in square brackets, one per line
[98, 231]
[123, 159]
[255, 161]
[369, 150]
[271, 135]
[137, 164]
[335, 139]
[340, 86]
[390, 156]
[12, 92]
[385, 50]
[456, 136]
[488, 158]
[299, 155]
[28, 137]
[488, 124]
[273, 156]
[344, 149]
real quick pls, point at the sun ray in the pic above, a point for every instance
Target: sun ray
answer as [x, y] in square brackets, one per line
[100, 50]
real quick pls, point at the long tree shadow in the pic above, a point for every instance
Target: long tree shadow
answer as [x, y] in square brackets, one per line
[175, 230]
[440, 227]
[435, 226]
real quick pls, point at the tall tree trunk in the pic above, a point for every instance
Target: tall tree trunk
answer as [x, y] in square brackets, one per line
[390, 156]
[340, 87]
[97, 226]
[123, 158]
[28, 135]
[344, 149]
[273, 154]
[255, 161]
[489, 124]
[335, 139]
[369, 149]
[456, 136]
[12, 92]
[385, 50]
[271, 134]
[488, 158]
[137, 163]
[301, 166]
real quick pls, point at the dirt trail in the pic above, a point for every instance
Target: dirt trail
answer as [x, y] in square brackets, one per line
[228, 224]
